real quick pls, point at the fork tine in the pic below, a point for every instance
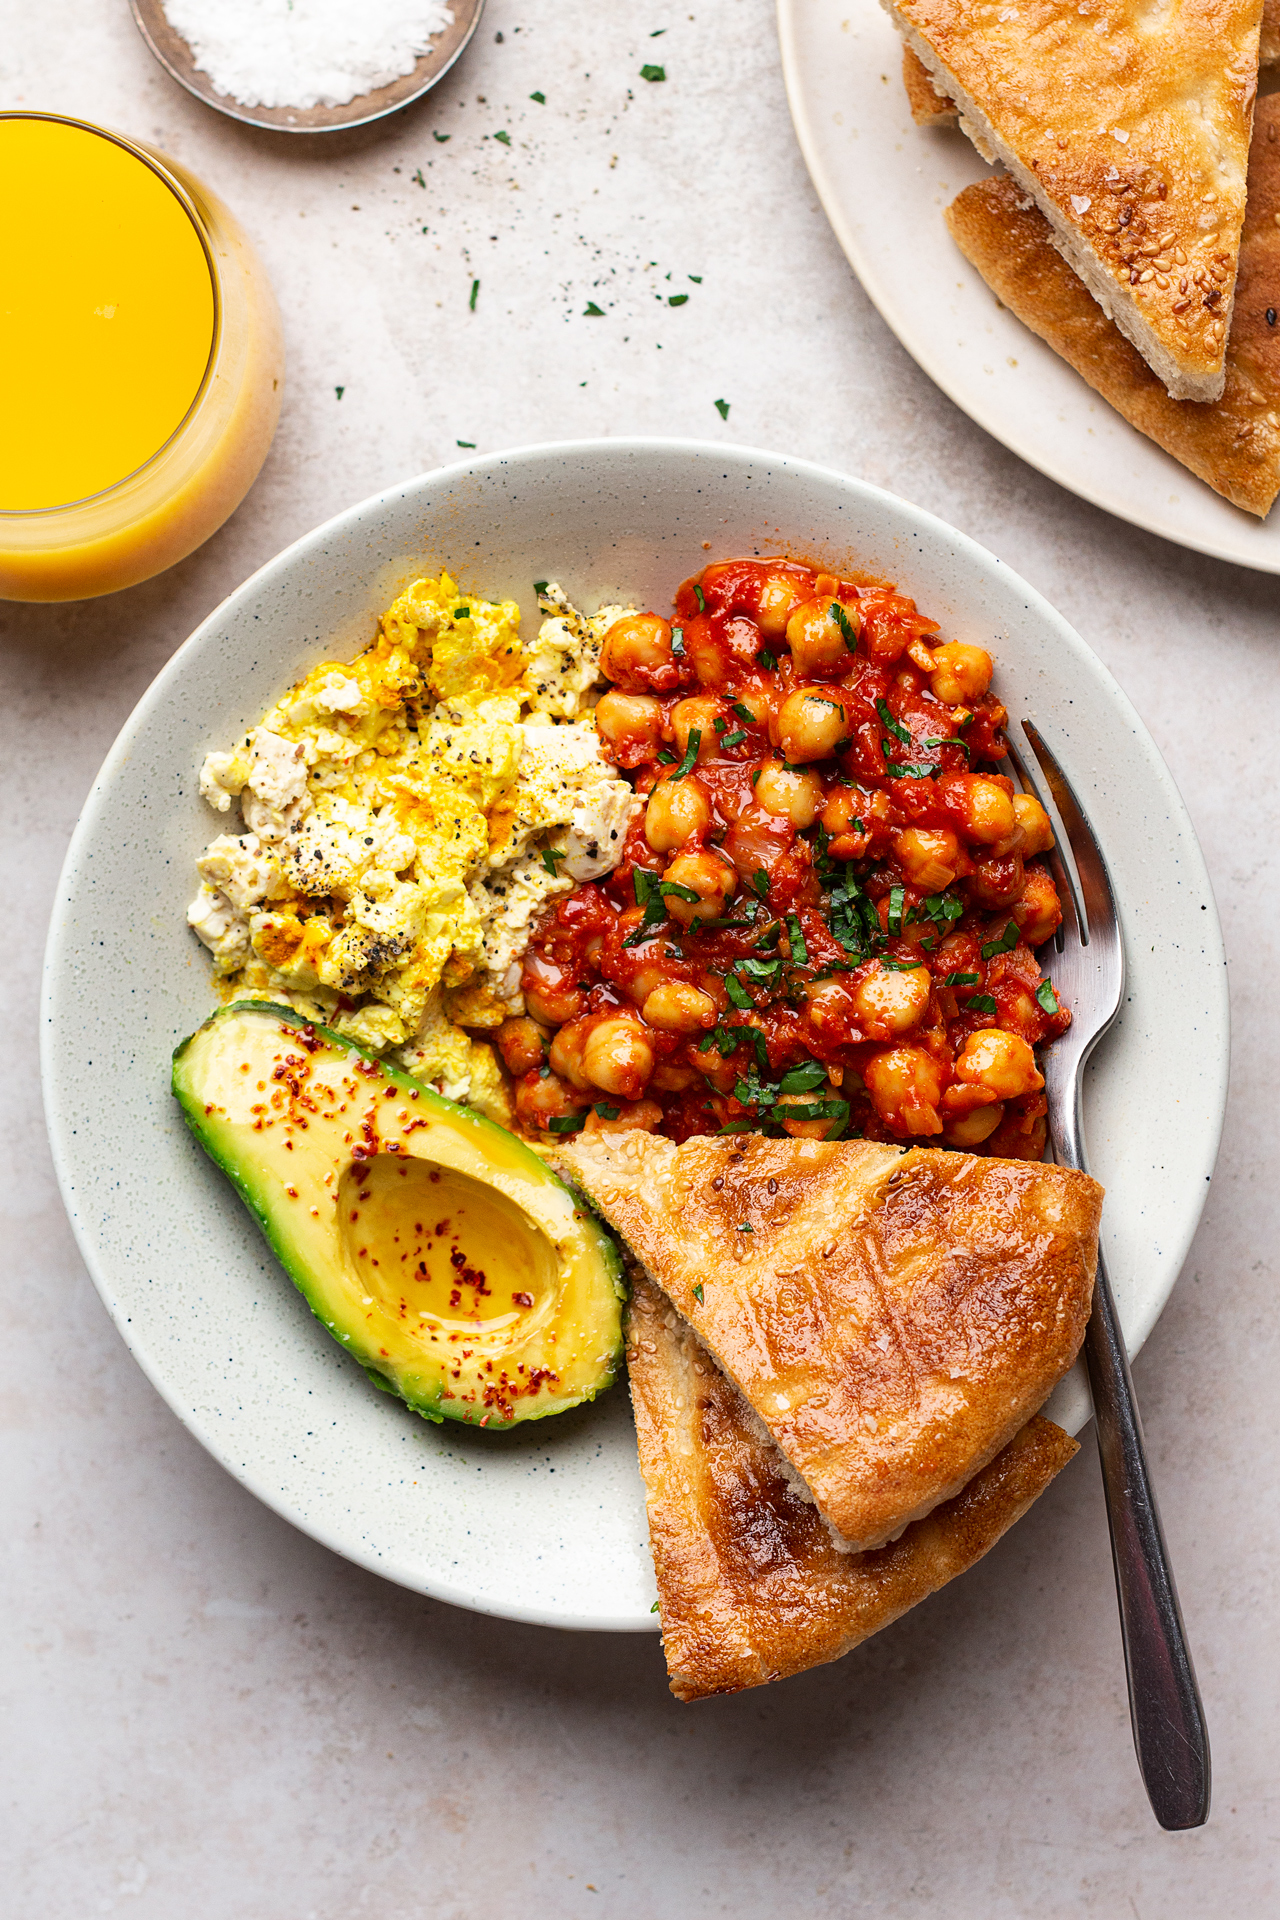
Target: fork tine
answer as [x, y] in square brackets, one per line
[1062, 869]
[1098, 895]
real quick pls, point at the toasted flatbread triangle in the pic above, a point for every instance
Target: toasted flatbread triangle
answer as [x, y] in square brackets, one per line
[750, 1585]
[1233, 443]
[893, 1318]
[1129, 123]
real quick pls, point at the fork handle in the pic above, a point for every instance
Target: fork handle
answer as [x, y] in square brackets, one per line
[1169, 1729]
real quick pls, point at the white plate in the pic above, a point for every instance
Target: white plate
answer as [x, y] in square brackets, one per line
[884, 182]
[546, 1524]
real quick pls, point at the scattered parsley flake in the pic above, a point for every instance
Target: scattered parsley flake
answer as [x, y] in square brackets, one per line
[442, 137]
[666, 757]
[980, 1003]
[805, 1078]
[606, 1112]
[697, 1293]
[722, 408]
[504, 137]
[796, 941]
[653, 73]
[896, 897]
[339, 391]
[767, 660]
[961, 980]
[690, 760]
[677, 299]
[592, 312]
[462, 613]
[760, 881]
[734, 739]
[654, 1607]
[418, 179]
[1047, 998]
[467, 443]
[475, 290]
[1005, 944]
[549, 858]
[895, 727]
[541, 98]
[845, 625]
[737, 993]
[745, 1226]
[702, 604]
[567, 1123]
[696, 279]
[677, 640]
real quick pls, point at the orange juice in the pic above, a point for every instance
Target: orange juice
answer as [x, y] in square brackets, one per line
[140, 361]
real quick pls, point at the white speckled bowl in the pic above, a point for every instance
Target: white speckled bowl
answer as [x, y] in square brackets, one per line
[546, 1524]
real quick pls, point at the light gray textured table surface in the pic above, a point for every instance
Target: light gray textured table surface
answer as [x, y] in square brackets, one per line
[208, 1716]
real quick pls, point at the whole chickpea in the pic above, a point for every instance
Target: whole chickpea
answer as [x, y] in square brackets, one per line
[1039, 911]
[701, 711]
[811, 723]
[758, 701]
[928, 856]
[636, 649]
[630, 725]
[618, 1058]
[677, 1007]
[677, 810]
[1001, 1061]
[712, 881]
[986, 808]
[831, 1009]
[970, 1129]
[542, 1098]
[817, 640]
[905, 1084]
[670, 1077]
[567, 1053]
[997, 881]
[521, 1045]
[960, 672]
[780, 593]
[549, 994]
[782, 790]
[889, 1002]
[1037, 829]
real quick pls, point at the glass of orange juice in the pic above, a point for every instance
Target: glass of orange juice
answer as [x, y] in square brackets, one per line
[141, 360]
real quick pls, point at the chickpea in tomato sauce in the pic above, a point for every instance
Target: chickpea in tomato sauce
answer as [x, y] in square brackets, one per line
[825, 915]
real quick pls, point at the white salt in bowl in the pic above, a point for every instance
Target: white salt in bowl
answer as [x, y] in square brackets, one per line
[546, 1523]
[176, 57]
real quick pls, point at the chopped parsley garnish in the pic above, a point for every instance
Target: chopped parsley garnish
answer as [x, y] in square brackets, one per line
[737, 993]
[541, 98]
[760, 881]
[904, 966]
[896, 897]
[695, 277]
[907, 769]
[653, 73]
[462, 613]
[702, 604]
[734, 739]
[796, 941]
[941, 908]
[666, 757]
[949, 740]
[722, 408]
[690, 760]
[592, 312]
[1005, 944]
[677, 640]
[689, 894]
[766, 659]
[697, 1293]
[654, 1607]
[677, 299]
[504, 137]
[442, 137]
[605, 1112]
[961, 980]
[805, 1078]
[417, 178]
[1047, 997]
[845, 625]
[467, 443]
[744, 713]
[540, 587]
[567, 1123]
[549, 858]
[895, 727]
[475, 290]
[980, 1003]
[818, 1110]
[745, 1226]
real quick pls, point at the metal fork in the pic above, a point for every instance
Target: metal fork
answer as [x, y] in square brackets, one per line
[1087, 971]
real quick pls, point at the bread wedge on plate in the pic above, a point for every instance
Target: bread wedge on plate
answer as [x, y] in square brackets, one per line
[1130, 129]
[929, 108]
[892, 1317]
[1232, 443]
[751, 1587]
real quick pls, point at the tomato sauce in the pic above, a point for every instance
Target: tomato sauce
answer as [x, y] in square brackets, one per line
[825, 916]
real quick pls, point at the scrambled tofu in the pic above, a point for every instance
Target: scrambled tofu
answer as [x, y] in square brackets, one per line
[406, 816]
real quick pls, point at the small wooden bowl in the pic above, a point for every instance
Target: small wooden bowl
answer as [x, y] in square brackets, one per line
[174, 55]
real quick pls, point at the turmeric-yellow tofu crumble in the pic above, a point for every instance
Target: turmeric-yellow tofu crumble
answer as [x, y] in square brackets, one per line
[405, 816]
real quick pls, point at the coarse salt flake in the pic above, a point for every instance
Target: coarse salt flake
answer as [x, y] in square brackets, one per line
[1080, 203]
[305, 53]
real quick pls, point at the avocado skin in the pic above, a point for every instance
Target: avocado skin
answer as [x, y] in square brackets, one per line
[597, 1248]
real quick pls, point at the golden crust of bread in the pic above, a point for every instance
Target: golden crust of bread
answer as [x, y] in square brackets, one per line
[929, 108]
[892, 1317]
[1269, 38]
[751, 1587]
[1130, 126]
[1232, 443]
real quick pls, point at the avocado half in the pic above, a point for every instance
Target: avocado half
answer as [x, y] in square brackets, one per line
[435, 1246]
